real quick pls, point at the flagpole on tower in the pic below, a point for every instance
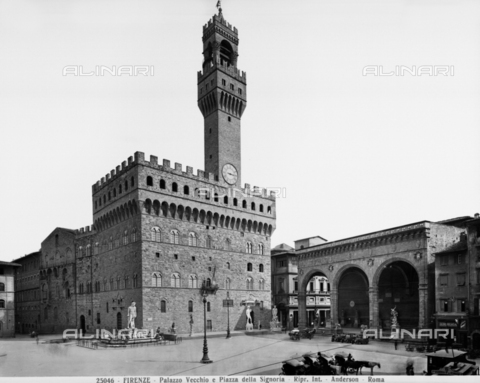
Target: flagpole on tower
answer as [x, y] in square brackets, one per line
[219, 6]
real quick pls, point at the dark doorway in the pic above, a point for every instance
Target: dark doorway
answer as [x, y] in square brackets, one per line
[398, 288]
[353, 299]
[83, 328]
[252, 314]
[119, 321]
[476, 341]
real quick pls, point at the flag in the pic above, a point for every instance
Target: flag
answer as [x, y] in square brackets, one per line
[219, 4]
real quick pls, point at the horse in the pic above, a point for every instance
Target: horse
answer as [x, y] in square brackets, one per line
[357, 365]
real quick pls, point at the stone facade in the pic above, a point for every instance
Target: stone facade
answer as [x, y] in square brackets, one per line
[360, 294]
[160, 231]
[457, 278]
[27, 292]
[7, 298]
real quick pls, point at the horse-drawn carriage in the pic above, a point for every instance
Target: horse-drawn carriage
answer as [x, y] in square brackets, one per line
[296, 334]
[307, 364]
[322, 364]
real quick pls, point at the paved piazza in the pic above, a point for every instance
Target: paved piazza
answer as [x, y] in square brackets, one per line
[239, 355]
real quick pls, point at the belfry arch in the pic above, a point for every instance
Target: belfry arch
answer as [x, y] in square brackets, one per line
[313, 306]
[398, 285]
[353, 302]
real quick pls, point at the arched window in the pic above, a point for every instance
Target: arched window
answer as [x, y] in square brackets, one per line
[190, 306]
[192, 239]
[88, 250]
[208, 306]
[260, 249]
[125, 237]
[209, 242]
[149, 181]
[156, 280]
[208, 282]
[163, 185]
[249, 283]
[134, 235]
[215, 197]
[110, 243]
[132, 182]
[260, 208]
[118, 283]
[120, 189]
[2, 286]
[193, 282]
[174, 187]
[2, 304]
[163, 306]
[135, 281]
[186, 190]
[249, 267]
[249, 247]
[117, 241]
[175, 281]
[260, 268]
[225, 200]
[80, 288]
[226, 53]
[156, 235]
[244, 204]
[261, 284]
[111, 284]
[269, 210]
[174, 237]
[126, 185]
[227, 265]
[126, 282]
[227, 284]
[96, 248]
[235, 202]
[253, 206]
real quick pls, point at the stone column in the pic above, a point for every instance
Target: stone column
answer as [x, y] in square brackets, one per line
[422, 303]
[373, 307]
[302, 310]
[334, 306]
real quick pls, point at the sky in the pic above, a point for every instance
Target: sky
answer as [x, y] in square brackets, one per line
[354, 152]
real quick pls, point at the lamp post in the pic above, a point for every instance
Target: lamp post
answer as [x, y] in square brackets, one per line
[205, 358]
[228, 315]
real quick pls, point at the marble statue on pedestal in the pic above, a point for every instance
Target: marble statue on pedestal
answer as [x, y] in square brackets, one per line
[249, 319]
[131, 315]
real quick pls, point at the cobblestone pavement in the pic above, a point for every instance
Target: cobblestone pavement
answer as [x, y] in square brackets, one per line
[240, 355]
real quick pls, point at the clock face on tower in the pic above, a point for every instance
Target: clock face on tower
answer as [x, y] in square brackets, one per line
[229, 173]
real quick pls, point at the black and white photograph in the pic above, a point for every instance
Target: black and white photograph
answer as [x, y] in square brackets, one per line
[155, 229]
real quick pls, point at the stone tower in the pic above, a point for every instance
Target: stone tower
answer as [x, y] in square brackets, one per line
[222, 98]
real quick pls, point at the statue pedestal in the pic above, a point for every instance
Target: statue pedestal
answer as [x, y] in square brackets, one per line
[275, 326]
[249, 327]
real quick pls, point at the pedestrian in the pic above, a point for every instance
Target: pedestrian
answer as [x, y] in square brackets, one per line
[410, 367]
[172, 330]
[448, 342]
[191, 324]
[395, 341]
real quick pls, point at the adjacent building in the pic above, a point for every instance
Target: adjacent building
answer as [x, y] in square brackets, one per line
[27, 292]
[457, 278]
[285, 287]
[7, 298]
